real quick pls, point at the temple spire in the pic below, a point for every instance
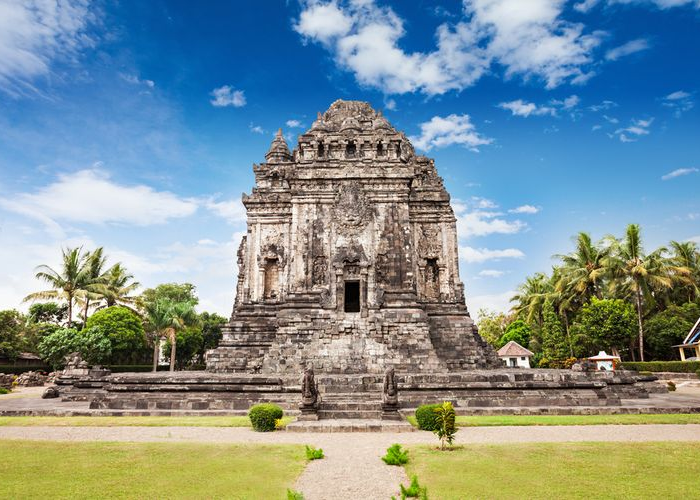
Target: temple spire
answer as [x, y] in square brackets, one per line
[279, 151]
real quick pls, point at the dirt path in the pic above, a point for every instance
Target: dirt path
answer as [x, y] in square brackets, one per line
[352, 468]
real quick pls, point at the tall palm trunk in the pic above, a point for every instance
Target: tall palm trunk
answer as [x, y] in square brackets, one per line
[85, 313]
[70, 311]
[639, 320]
[156, 344]
[173, 348]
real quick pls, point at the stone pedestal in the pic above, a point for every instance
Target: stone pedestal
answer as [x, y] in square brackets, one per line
[391, 411]
[308, 413]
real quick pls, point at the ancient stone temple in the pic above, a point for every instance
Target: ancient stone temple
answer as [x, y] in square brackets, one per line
[350, 259]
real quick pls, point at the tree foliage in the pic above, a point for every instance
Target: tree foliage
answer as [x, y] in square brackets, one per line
[519, 331]
[669, 327]
[492, 325]
[124, 329]
[93, 344]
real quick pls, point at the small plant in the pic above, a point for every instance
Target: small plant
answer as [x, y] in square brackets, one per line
[263, 416]
[446, 428]
[415, 490]
[4, 391]
[314, 453]
[294, 495]
[395, 455]
[671, 385]
[426, 418]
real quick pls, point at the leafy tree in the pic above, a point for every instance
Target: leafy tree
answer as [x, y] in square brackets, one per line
[94, 280]
[446, 428]
[492, 325]
[11, 323]
[668, 328]
[685, 262]
[555, 346]
[93, 344]
[67, 283]
[583, 270]
[531, 297]
[519, 331]
[124, 329]
[189, 345]
[637, 275]
[164, 318]
[175, 292]
[604, 324]
[118, 286]
[48, 312]
[211, 331]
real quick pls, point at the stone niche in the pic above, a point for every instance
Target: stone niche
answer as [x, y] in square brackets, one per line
[350, 259]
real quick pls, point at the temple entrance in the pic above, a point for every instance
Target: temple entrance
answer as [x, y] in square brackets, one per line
[432, 279]
[352, 296]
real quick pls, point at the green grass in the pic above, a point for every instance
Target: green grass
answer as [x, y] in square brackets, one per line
[498, 420]
[559, 470]
[47, 469]
[131, 421]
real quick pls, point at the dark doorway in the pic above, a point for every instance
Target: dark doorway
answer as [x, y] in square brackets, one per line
[352, 296]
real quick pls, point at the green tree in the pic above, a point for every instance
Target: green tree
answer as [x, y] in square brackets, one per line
[93, 344]
[11, 325]
[175, 292]
[531, 297]
[492, 325]
[118, 287]
[637, 275]
[446, 428]
[604, 324]
[582, 271]
[211, 324]
[518, 331]
[67, 283]
[164, 318]
[48, 312]
[94, 280]
[555, 346]
[124, 329]
[189, 345]
[685, 262]
[668, 328]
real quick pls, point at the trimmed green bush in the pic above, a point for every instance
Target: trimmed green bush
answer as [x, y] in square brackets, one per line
[4, 391]
[426, 417]
[395, 455]
[314, 453]
[663, 366]
[263, 416]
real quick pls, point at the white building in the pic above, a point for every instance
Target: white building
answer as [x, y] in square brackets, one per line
[604, 362]
[514, 355]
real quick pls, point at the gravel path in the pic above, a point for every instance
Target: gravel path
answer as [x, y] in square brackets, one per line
[352, 468]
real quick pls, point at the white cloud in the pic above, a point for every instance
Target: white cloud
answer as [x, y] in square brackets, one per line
[525, 109]
[637, 129]
[256, 129]
[696, 239]
[491, 273]
[679, 101]
[528, 39]
[603, 106]
[626, 49]
[477, 255]
[90, 196]
[525, 209]
[678, 173]
[390, 104]
[453, 129]
[135, 80]
[585, 5]
[499, 302]
[228, 96]
[232, 210]
[35, 34]
[477, 217]
[294, 124]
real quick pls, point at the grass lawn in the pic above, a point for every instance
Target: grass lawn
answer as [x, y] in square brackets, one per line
[48, 469]
[559, 470]
[497, 420]
[131, 421]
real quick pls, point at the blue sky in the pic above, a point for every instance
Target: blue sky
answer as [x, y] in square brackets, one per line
[134, 125]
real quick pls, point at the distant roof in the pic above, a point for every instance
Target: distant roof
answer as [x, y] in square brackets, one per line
[603, 356]
[512, 348]
[694, 334]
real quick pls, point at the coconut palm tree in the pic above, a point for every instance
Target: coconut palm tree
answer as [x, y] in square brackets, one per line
[636, 275]
[165, 318]
[583, 270]
[67, 283]
[685, 263]
[117, 287]
[95, 279]
[531, 297]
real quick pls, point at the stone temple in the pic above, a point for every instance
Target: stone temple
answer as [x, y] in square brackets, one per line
[350, 259]
[349, 266]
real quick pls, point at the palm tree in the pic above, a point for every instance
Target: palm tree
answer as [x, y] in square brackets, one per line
[638, 275]
[685, 262]
[117, 287]
[66, 284]
[583, 270]
[531, 297]
[94, 279]
[165, 317]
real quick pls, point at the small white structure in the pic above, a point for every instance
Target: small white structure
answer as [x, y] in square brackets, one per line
[692, 342]
[514, 355]
[604, 362]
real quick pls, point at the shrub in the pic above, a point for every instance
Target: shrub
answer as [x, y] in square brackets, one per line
[18, 370]
[4, 391]
[314, 453]
[426, 417]
[415, 490]
[671, 385]
[124, 329]
[294, 495]
[446, 428]
[262, 416]
[663, 366]
[395, 455]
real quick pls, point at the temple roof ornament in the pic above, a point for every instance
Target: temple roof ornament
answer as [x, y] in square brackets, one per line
[279, 151]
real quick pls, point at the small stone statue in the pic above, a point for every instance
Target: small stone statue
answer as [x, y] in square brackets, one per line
[309, 391]
[390, 394]
[72, 360]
